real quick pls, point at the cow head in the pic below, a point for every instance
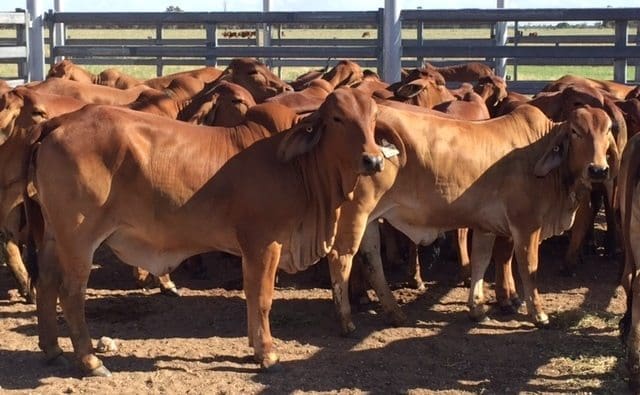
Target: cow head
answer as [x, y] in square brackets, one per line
[585, 143]
[223, 105]
[493, 89]
[68, 70]
[345, 73]
[343, 132]
[255, 77]
[423, 92]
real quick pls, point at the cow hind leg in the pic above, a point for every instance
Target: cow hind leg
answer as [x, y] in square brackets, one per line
[633, 338]
[76, 267]
[482, 246]
[462, 240]
[506, 294]
[14, 260]
[370, 247]
[48, 285]
[415, 277]
[259, 273]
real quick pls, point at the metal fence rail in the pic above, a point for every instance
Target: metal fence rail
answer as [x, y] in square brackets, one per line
[618, 50]
[14, 50]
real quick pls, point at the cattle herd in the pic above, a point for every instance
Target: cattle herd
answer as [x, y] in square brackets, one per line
[327, 166]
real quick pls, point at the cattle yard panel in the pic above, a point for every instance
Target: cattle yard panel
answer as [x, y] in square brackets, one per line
[220, 39]
[617, 48]
[13, 46]
[221, 36]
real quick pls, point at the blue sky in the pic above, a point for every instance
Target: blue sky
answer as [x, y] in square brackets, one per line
[305, 5]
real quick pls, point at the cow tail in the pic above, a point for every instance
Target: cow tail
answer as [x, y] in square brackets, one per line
[630, 179]
[32, 210]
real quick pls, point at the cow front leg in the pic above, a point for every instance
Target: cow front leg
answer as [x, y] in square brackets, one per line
[481, 249]
[526, 252]
[340, 270]
[259, 268]
[370, 248]
[506, 293]
[583, 221]
[415, 276]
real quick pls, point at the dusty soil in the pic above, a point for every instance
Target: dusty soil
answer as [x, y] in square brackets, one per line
[197, 344]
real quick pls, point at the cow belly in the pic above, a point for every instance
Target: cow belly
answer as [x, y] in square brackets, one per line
[139, 251]
[419, 234]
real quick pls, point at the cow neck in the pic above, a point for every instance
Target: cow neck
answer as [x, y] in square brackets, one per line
[15, 152]
[242, 136]
[326, 190]
[562, 189]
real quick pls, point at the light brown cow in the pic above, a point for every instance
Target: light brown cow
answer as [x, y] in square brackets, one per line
[618, 90]
[113, 78]
[205, 74]
[20, 109]
[516, 176]
[157, 197]
[171, 100]
[344, 73]
[255, 77]
[466, 72]
[96, 94]
[223, 104]
[629, 204]
[306, 100]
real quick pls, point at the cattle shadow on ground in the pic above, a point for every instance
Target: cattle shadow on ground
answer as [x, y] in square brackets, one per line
[472, 362]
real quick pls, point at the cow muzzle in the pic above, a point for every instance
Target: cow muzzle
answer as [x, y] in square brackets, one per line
[598, 173]
[372, 163]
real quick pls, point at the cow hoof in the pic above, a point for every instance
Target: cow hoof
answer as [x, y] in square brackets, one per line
[100, 371]
[348, 330]
[59, 361]
[478, 314]
[173, 292]
[508, 309]
[567, 272]
[542, 321]
[396, 318]
[270, 363]
[417, 285]
[516, 303]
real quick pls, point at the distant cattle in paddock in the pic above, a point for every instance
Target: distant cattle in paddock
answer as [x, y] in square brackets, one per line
[533, 34]
[366, 35]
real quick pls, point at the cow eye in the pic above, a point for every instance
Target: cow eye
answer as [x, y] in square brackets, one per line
[236, 101]
[337, 119]
[253, 72]
[575, 133]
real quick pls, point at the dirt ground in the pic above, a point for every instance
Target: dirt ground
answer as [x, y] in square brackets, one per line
[197, 343]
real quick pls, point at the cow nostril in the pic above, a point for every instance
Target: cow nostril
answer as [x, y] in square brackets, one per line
[597, 172]
[372, 162]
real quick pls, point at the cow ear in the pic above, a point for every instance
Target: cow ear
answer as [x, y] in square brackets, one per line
[389, 139]
[409, 90]
[300, 139]
[554, 154]
[39, 114]
[613, 157]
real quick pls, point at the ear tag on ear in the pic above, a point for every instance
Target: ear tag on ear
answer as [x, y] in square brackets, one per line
[388, 150]
[309, 129]
[556, 148]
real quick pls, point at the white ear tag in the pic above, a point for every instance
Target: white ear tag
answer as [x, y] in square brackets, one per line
[388, 150]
